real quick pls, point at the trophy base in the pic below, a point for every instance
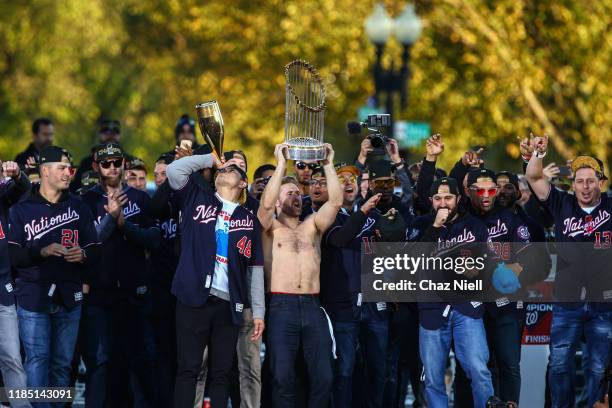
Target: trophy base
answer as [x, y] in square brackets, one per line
[307, 154]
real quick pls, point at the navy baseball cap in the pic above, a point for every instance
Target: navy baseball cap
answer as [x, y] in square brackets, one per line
[453, 187]
[380, 168]
[512, 178]
[53, 154]
[476, 174]
[108, 151]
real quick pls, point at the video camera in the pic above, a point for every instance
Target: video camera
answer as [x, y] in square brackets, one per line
[377, 129]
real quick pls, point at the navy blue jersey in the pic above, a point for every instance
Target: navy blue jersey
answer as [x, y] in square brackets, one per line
[510, 236]
[587, 266]
[165, 258]
[123, 267]
[34, 224]
[341, 268]
[7, 295]
[463, 237]
[199, 208]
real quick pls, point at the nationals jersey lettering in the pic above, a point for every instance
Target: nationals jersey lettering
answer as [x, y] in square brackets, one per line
[39, 227]
[241, 225]
[585, 226]
[205, 214]
[463, 237]
[168, 229]
[498, 229]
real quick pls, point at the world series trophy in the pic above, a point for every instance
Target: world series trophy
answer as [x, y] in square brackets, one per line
[304, 112]
[210, 122]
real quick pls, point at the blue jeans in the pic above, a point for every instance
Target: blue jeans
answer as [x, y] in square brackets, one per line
[372, 334]
[49, 339]
[568, 325]
[10, 357]
[294, 321]
[470, 340]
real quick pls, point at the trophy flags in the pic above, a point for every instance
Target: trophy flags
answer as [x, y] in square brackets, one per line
[211, 125]
[304, 112]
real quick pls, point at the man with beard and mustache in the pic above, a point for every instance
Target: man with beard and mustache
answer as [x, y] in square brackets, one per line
[354, 323]
[303, 173]
[52, 244]
[454, 233]
[296, 320]
[582, 276]
[520, 264]
[42, 136]
[117, 339]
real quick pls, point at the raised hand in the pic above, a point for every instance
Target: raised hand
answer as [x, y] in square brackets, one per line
[280, 153]
[371, 203]
[393, 151]
[525, 147]
[180, 152]
[366, 147]
[472, 158]
[539, 143]
[551, 171]
[10, 169]
[329, 155]
[434, 147]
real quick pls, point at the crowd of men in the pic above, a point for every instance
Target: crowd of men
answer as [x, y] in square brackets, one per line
[170, 297]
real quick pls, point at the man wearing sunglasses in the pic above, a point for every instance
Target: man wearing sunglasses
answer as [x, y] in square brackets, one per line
[108, 132]
[583, 225]
[52, 245]
[117, 335]
[318, 193]
[303, 174]
[211, 282]
[382, 181]
[518, 262]
[355, 323]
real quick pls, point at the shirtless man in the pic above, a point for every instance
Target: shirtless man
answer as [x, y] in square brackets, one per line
[293, 257]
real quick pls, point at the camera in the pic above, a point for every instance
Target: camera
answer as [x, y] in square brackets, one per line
[377, 128]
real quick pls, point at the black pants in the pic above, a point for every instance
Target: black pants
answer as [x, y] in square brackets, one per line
[196, 328]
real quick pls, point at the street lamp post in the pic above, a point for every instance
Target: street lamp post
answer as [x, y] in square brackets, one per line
[407, 29]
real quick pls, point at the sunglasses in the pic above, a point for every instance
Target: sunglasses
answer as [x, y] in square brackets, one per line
[480, 192]
[115, 163]
[320, 183]
[349, 179]
[302, 166]
[384, 183]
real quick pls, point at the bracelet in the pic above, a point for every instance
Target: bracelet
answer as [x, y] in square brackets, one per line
[539, 155]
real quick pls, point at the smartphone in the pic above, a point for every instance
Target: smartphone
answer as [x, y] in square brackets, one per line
[564, 171]
[186, 144]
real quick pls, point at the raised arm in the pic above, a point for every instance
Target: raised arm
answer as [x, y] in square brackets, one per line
[267, 204]
[178, 171]
[534, 174]
[326, 215]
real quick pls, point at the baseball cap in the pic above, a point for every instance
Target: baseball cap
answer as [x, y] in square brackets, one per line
[184, 120]
[231, 153]
[110, 125]
[512, 178]
[107, 151]
[475, 174]
[165, 158]
[380, 168]
[90, 178]
[344, 166]
[243, 175]
[136, 163]
[589, 162]
[318, 172]
[453, 187]
[53, 154]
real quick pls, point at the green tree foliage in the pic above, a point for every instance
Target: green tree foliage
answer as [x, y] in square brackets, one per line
[483, 71]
